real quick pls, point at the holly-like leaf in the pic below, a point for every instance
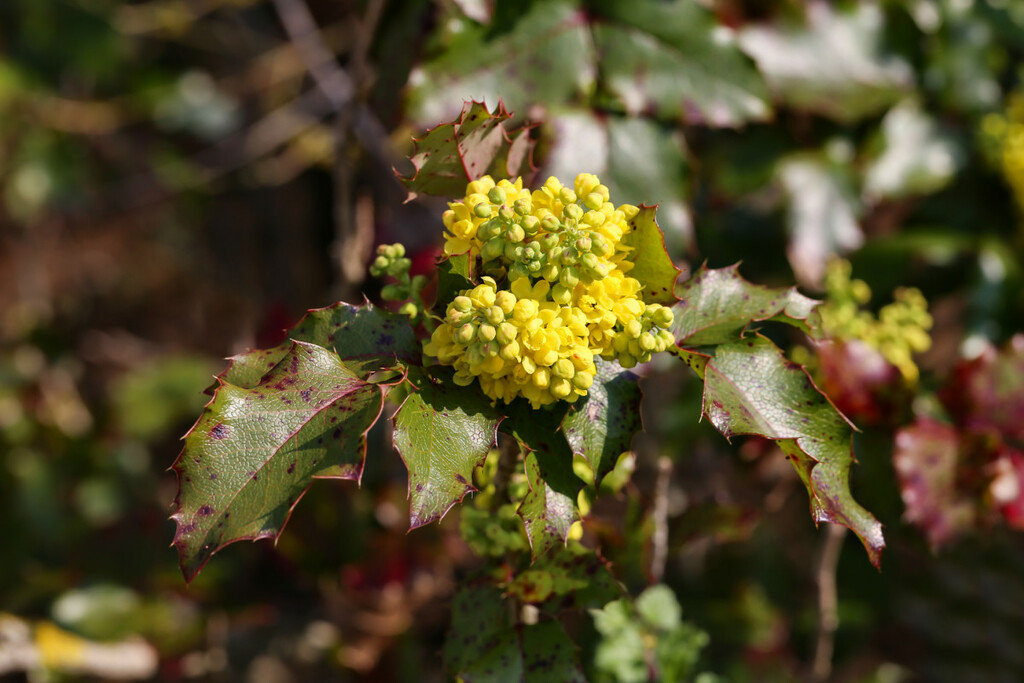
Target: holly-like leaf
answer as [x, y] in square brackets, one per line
[442, 432]
[652, 265]
[673, 59]
[549, 507]
[453, 276]
[640, 160]
[717, 306]
[474, 145]
[255, 450]
[751, 388]
[926, 460]
[544, 57]
[601, 427]
[482, 644]
[669, 59]
[365, 338]
[833, 65]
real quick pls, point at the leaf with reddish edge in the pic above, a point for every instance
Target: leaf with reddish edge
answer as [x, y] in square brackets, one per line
[717, 305]
[751, 388]
[926, 460]
[484, 645]
[366, 339]
[652, 265]
[442, 432]
[255, 450]
[549, 507]
[601, 426]
[474, 145]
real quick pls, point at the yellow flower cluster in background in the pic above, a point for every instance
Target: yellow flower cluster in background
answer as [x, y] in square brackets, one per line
[899, 330]
[555, 293]
[1003, 138]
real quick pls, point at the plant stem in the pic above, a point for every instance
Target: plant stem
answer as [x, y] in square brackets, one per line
[828, 612]
[659, 539]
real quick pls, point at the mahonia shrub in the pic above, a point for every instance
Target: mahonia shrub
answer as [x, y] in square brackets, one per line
[511, 373]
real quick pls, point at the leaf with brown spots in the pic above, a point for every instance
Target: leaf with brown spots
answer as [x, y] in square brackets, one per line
[472, 146]
[717, 306]
[255, 450]
[549, 507]
[442, 431]
[365, 338]
[484, 645]
[751, 388]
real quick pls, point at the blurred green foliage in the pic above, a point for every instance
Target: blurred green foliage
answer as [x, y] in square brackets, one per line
[177, 187]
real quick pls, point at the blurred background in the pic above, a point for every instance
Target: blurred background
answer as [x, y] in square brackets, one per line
[181, 179]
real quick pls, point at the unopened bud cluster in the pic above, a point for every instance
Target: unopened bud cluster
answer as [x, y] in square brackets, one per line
[391, 260]
[556, 291]
[898, 332]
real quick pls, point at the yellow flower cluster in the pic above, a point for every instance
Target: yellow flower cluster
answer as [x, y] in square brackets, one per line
[564, 296]
[899, 331]
[1003, 138]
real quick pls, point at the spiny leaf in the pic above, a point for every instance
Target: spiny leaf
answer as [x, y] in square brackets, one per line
[255, 451]
[751, 388]
[474, 145]
[544, 57]
[674, 60]
[668, 59]
[652, 265]
[601, 426]
[549, 508]
[366, 338]
[639, 159]
[442, 432]
[717, 305]
[482, 644]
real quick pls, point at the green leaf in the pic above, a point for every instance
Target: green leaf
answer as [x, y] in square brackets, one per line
[717, 306]
[601, 426]
[751, 388]
[822, 213]
[255, 451]
[640, 160]
[482, 644]
[672, 59]
[669, 58]
[474, 145]
[442, 432]
[832, 66]
[453, 276]
[365, 338]
[652, 265]
[549, 507]
[544, 57]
